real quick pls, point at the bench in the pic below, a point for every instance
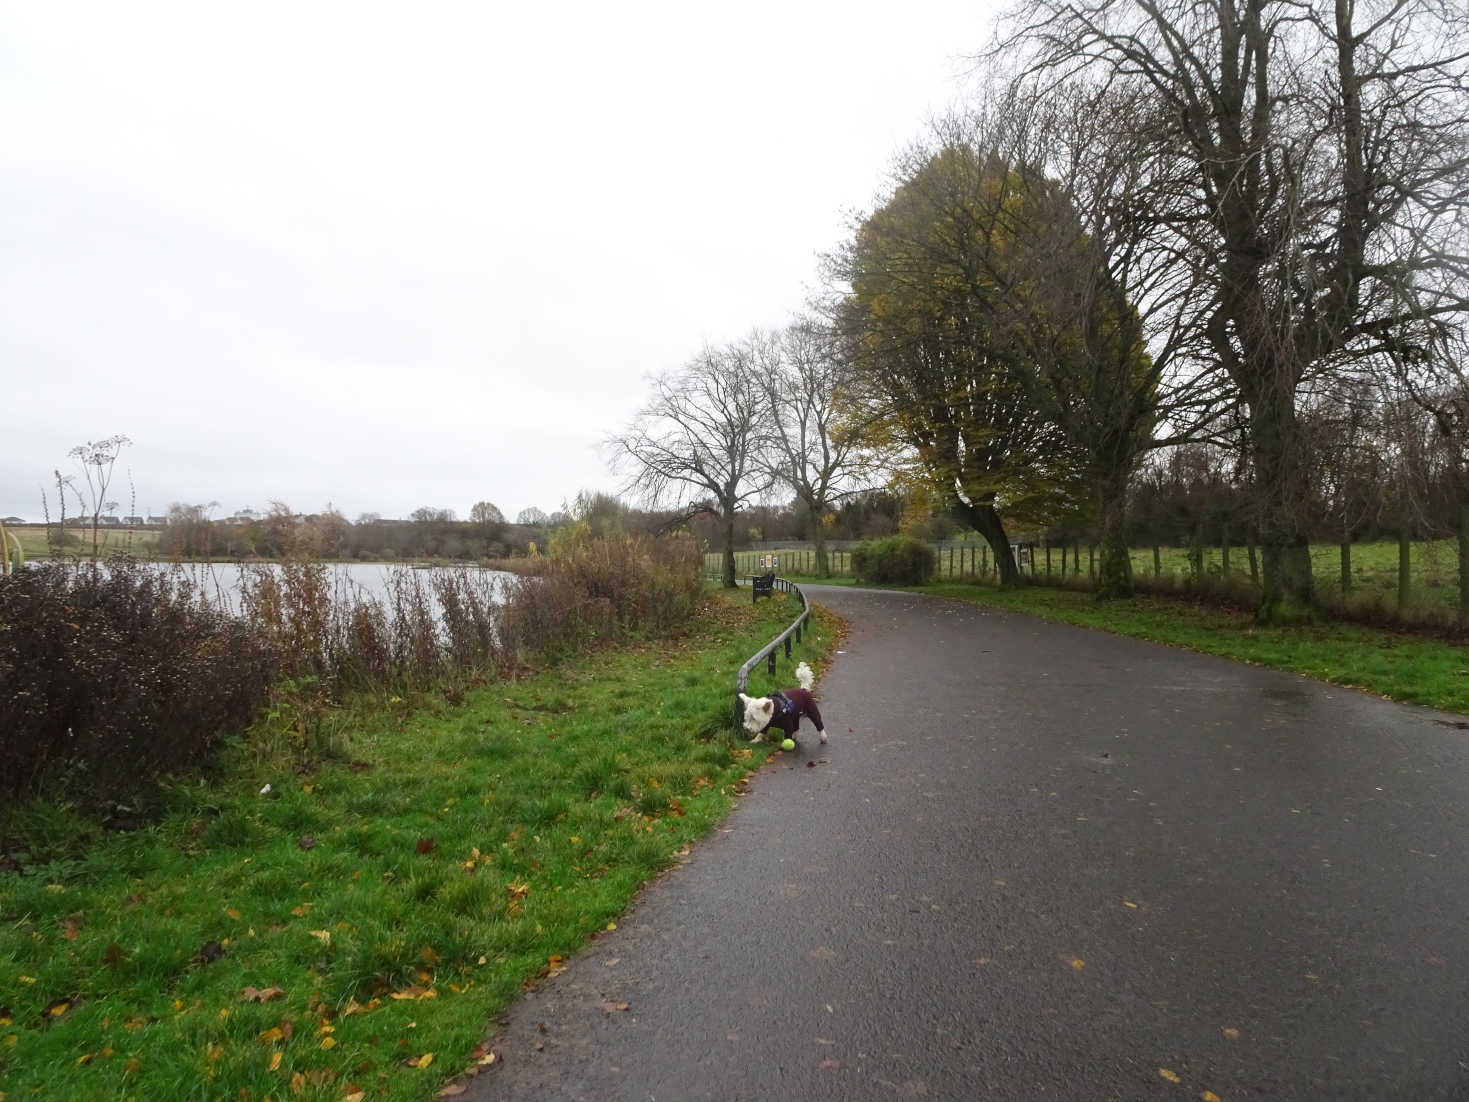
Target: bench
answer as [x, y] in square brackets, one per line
[762, 585]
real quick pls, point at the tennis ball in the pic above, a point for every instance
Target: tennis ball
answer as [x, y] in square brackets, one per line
[788, 744]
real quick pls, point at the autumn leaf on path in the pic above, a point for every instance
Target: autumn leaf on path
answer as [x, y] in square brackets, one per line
[1171, 1076]
[609, 1006]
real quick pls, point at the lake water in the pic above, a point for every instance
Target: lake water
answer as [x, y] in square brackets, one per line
[220, 581]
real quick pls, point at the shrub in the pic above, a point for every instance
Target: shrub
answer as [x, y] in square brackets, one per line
[112, 672]
[894, 560]
[590, 588]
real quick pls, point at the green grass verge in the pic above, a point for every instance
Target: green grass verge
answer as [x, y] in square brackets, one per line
[357, 927]
[1402, 667]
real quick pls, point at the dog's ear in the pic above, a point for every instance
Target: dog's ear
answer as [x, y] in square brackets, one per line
[743, 698]
[767, 706]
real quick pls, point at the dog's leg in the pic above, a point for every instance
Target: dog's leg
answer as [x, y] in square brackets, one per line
[758, 738]
[822, 733]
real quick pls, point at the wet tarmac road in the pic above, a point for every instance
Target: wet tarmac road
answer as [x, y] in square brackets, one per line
[1039, 862]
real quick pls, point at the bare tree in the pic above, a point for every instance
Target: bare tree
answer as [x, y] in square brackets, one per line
[531, 517]
[1328, 177]
[801, 372]
[697, 443]
[1108, 319]
[486, 515]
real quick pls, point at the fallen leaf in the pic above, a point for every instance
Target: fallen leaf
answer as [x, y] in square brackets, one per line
[328, 1042]
[609, 1006]
[830, 1064]
[270, 1036]
[428, 956]
[1210, 1096]
[209, 952]
[298, 1082]
[112, 955]
[275, 1059]
[302, 910]
[425, 845]
[323, 936]
[452, 1089]
[1231, 1033]
[233, 913]
[257, 995]
[1171, 1076]
[57, 1008]
[307, 842]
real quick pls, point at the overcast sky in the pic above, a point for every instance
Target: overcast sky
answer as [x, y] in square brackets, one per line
[393, 255]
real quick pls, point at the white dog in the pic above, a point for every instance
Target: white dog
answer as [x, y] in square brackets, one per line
[783, 710]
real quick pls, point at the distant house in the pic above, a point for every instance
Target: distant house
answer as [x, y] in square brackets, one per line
[11, 520]
[157, 522]
[109, 522]
[133, 522]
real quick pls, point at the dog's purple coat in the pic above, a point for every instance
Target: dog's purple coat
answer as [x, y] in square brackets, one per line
[787, 716]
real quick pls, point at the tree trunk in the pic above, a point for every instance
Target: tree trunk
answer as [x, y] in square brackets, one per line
[1281, 481]
[1224, 553]
[986, 521]
[1346, 567]
[1157, 561]
[1114, 572]
[1196, 553]
[1405, 569]
[1464, 565]
[729, 563]
[1254, 563]
[818, 537]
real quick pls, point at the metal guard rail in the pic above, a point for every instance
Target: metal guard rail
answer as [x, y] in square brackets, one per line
[742, 679]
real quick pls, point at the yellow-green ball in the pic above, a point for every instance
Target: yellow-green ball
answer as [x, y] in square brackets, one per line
[788, 744]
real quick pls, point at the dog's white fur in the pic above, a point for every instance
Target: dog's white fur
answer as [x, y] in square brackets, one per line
[759, 710]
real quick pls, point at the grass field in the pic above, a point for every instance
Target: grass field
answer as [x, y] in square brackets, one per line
[33, 541]
[351, 932]
[1402, 667]
[1434, 567]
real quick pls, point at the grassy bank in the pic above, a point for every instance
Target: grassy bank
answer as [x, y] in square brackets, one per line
[143, 543]
[1403, 667]
[353, 930]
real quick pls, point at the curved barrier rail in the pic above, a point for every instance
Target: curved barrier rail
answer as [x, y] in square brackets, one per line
[767, 652]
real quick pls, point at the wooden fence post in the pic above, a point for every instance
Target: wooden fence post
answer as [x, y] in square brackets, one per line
[1091, 560]
[1157, 562]
[1346, 567]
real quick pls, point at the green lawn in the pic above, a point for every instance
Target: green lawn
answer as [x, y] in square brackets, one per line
[1434, 567]
[356, 928]
[33, 541]
[1403, 667]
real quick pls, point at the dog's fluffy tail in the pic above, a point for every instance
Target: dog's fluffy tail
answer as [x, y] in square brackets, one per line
[805, 676]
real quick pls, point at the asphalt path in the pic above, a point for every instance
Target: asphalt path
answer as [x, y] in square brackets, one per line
[1040, 862]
